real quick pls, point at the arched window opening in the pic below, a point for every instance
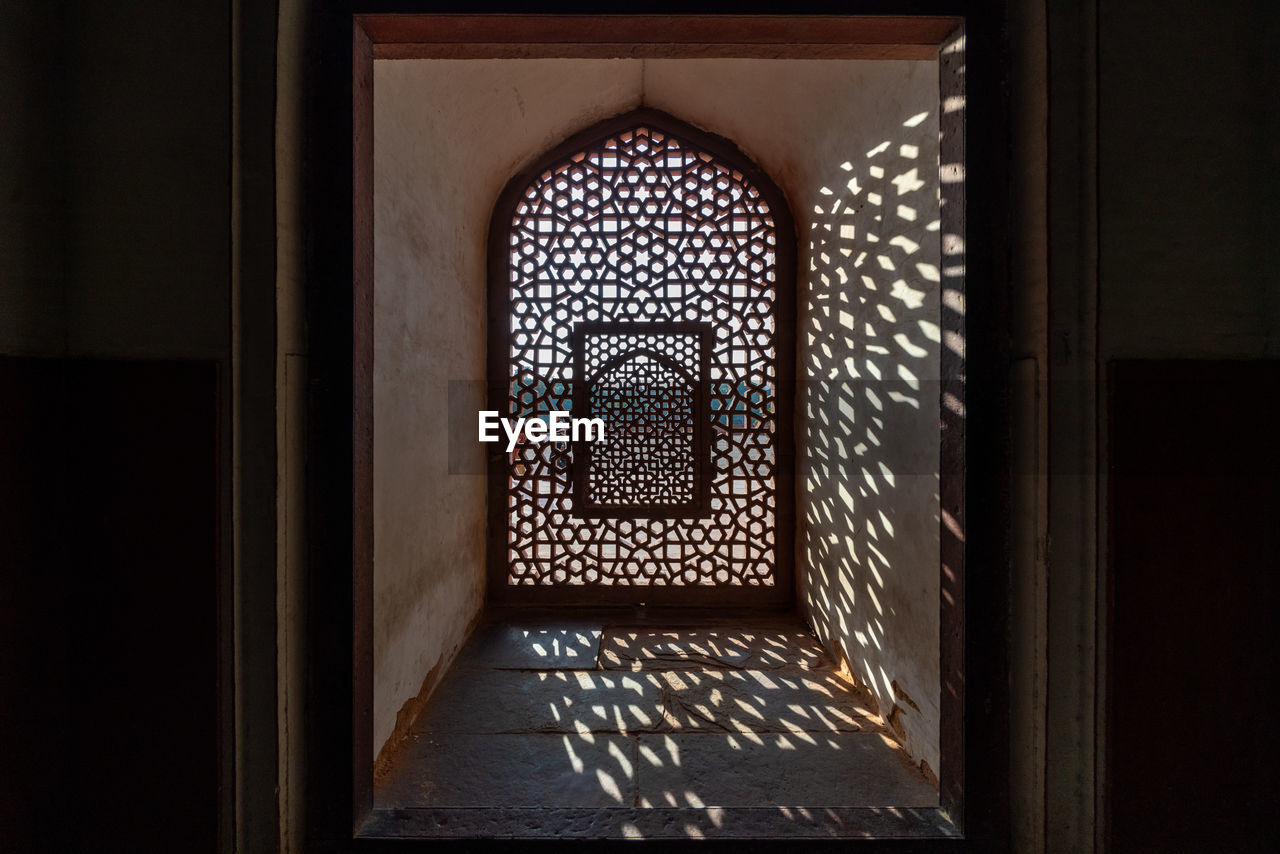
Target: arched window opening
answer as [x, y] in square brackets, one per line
[643, 273]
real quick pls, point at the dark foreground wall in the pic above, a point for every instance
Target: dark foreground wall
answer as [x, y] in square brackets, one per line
[115, 333]
[1194, 548]
[108, 605]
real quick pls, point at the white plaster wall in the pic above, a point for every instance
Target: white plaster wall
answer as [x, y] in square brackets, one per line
[448, 135]
[853, 144]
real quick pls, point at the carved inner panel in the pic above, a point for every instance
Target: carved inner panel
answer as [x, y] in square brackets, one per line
[645, 382]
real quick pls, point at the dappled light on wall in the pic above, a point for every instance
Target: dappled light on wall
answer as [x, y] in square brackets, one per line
[869, 340]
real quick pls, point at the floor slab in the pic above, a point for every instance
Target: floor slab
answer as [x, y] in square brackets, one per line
[693, 648]
[596, 726]
[672, 823]
[783, 700]
[786, 769]
[532, 645]
[513, 770]
[497, 701]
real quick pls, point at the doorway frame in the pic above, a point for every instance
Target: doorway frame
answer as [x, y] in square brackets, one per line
[973, 782]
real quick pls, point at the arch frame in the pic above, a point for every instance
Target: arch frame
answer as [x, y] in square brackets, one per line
[780, 595]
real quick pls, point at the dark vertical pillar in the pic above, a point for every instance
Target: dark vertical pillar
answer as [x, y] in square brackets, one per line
[110, 629]
[1193, 506]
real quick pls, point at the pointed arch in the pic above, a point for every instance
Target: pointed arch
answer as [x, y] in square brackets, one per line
[639, 220]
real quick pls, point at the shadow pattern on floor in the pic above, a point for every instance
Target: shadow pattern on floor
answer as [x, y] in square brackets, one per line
[586, 727]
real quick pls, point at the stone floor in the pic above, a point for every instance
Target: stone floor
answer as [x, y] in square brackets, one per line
[663, 728]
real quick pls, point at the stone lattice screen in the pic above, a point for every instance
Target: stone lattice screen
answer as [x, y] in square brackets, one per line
[648, 236]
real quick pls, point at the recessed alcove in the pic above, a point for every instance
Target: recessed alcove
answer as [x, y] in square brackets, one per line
[854, 146]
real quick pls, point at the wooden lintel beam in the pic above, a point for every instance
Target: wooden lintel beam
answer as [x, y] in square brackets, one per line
[656, 36]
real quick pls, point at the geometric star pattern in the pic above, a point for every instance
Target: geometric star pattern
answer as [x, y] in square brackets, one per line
[644, 381]
[639, 227]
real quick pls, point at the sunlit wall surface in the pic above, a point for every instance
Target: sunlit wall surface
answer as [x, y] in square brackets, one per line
[854, 145]
[869, 338]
